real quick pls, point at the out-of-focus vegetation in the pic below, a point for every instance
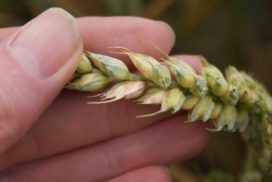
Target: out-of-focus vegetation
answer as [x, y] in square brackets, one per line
[237, 32]
[226, 32]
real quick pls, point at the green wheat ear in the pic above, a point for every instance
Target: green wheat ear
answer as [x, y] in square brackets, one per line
[230, 102]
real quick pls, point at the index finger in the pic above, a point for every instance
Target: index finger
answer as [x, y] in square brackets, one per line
[134, 33]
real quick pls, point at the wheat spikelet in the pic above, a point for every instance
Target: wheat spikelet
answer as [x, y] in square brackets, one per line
[234, 102]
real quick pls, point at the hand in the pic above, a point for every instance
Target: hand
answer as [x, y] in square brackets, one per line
[48, 138]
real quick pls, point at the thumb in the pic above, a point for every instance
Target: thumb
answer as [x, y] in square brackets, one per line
[35, 64]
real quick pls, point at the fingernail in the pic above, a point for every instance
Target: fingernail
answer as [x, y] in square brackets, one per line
[44, 45]
[169, 29]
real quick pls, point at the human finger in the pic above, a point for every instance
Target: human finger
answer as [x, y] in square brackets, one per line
[161, 143]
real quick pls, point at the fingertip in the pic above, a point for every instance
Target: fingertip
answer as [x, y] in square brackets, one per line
[169, 32]
[192, 60]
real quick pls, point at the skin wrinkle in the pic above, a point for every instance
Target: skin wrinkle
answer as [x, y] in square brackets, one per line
[35, 145]
[124, 126]
[24, 177]
[9, 104]
[7, 118]
[112, 161]
[107, 130]
[129, 125]
[147, 174]
[123, 157]
[119, 127]
[108, 122]
[5, 160]
[8, 160]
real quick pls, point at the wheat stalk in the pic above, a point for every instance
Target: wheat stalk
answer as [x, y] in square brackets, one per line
[234, 102]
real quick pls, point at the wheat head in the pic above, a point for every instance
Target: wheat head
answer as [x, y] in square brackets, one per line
[233, 101]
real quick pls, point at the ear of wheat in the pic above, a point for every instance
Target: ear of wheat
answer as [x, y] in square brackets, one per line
[234, 102]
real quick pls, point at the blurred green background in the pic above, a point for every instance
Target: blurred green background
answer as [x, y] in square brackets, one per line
[237, 32]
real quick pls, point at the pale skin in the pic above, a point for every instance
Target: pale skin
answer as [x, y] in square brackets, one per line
[54, 135]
